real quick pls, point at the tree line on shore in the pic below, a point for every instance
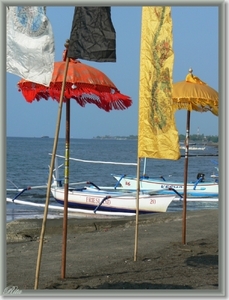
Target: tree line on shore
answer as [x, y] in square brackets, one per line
[197, 138]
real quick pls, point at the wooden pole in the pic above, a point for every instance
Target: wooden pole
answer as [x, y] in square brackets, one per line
[50, 177]
[185, 178]
[137, 211]
[144, 167]
[66, 184]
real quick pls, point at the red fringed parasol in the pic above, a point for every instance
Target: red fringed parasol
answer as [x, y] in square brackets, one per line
[84, 83]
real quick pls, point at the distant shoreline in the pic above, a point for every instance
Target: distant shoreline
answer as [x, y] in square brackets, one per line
[215, 144]
[209, 143]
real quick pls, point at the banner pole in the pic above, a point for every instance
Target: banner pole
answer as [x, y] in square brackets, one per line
[50, 178]
[137, 211]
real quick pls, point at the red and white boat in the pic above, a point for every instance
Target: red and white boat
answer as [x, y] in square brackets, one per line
[112, 201]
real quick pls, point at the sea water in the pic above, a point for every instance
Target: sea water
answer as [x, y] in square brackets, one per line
[28, 161]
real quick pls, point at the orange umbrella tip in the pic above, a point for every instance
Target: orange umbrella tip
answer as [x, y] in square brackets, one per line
[192, 78]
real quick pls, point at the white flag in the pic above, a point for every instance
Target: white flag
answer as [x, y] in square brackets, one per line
[30, 44]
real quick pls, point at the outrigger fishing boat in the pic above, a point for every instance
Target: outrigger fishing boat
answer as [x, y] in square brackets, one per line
[120, 199]
[198, 191]
[112, 201]
[193, 148]
[96, 200]
[106, 202]
[123, 199]
[198, 188]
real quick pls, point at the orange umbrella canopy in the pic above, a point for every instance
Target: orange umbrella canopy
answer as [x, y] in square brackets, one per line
[194, 94]
[84, 83]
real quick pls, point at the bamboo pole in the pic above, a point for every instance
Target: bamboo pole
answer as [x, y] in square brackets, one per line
[137, 211]
[50, 177]
[144, 167]
[185, 178]
[66, 184]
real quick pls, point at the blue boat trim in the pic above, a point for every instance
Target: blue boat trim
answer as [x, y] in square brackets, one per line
[90, 207]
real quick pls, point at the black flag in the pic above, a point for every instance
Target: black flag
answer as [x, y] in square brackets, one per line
[93, 35]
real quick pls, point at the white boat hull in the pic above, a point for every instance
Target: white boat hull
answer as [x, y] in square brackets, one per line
[129, 182]
[115, 201]
[193, 148]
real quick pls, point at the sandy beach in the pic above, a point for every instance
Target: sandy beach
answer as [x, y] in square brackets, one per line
[100, 255]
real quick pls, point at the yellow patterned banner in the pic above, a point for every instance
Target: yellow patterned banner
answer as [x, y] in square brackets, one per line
[157, 133]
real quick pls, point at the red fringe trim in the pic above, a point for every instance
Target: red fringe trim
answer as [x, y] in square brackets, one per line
[104, 97]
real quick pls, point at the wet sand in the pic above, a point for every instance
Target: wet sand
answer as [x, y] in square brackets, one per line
[100, 255]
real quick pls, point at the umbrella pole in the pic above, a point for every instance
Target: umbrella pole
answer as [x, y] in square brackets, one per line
[50, 178]
[185, 178]
[137, 211]
[66, 183]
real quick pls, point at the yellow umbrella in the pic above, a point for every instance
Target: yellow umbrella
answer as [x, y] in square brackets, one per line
[192, 94]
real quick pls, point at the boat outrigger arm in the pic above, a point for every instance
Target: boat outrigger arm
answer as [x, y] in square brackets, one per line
[29, 188]
[104, 199]
[175, 191]
[200, 179]
[26, 189]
